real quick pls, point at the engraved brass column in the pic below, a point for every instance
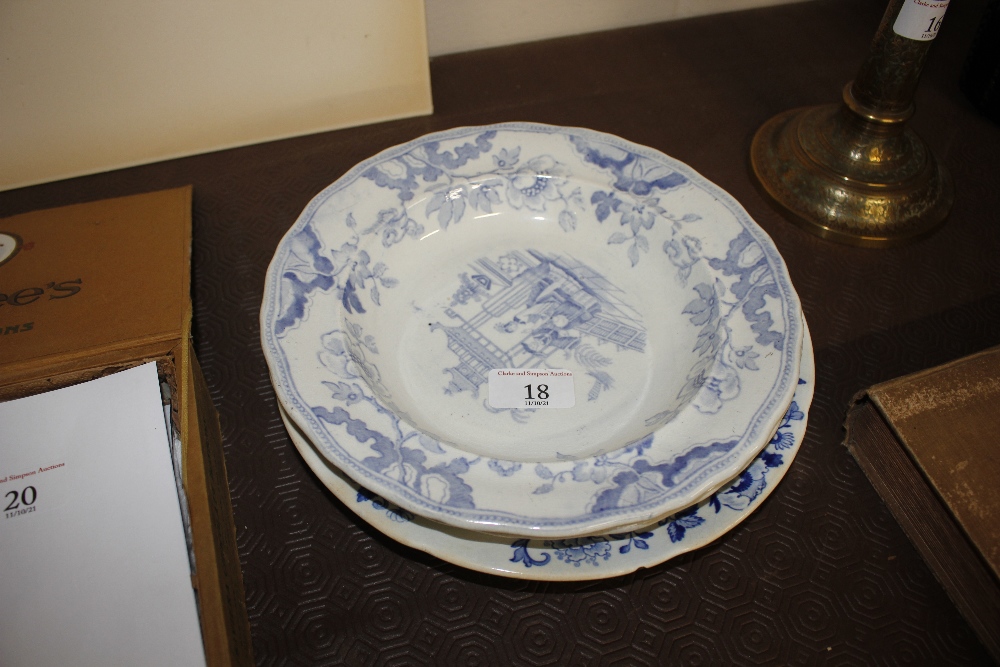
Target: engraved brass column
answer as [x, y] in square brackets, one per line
[853, 172]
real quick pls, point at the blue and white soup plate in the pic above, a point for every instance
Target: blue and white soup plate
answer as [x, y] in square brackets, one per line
[526, 248]
[597, 556]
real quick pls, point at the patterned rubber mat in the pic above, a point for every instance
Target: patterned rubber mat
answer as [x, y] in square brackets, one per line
[820, 574]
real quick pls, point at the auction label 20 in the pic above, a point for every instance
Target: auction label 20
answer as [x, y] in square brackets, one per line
[20, 502]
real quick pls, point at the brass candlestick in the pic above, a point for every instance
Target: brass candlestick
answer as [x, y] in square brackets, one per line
[853, 172]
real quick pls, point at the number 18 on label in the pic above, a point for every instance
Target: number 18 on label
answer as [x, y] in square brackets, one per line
[531, 388]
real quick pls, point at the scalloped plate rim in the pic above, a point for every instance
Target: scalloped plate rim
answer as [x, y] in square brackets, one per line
[429, 532]
[513, 523]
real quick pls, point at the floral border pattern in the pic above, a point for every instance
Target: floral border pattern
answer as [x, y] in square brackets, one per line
[738, 496]
[437, 478]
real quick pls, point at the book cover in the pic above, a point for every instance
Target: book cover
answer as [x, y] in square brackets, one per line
[930, 445]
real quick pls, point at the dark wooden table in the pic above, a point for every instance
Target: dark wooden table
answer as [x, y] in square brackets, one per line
[820, 574]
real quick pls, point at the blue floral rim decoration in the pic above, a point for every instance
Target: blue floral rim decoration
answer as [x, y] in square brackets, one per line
[628, 190]
[614, 554]
[594, 557]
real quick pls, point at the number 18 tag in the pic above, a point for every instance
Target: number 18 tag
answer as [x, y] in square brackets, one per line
[531, 388]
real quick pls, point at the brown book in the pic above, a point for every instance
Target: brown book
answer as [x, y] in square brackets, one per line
[90, 289]
[930, 444]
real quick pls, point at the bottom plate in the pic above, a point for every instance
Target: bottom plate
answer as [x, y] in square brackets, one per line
[584, 558]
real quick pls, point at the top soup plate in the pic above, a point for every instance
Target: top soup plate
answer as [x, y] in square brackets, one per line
[520, 246]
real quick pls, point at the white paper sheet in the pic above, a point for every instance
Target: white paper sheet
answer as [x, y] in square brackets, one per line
[94, 564]
[91, 86]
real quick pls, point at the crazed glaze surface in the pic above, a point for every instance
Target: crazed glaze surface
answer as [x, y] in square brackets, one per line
[531, 246]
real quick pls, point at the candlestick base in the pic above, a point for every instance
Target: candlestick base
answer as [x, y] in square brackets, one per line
[851, 175]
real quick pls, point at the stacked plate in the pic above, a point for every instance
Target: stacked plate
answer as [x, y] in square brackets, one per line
[535, 351]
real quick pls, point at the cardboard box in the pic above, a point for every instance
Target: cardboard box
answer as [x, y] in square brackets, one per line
[90, 289]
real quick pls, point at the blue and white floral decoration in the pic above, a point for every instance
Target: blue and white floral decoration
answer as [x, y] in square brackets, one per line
[480, 170]
[738, 496]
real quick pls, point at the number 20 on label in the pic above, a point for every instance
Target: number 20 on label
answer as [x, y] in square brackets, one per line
[20, 502]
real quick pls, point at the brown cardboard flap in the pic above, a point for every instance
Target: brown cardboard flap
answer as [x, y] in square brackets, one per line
[225, 628]
[92, 284]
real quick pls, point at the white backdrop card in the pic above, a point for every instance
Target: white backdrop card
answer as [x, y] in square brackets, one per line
[95, 567]
[87, 87]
